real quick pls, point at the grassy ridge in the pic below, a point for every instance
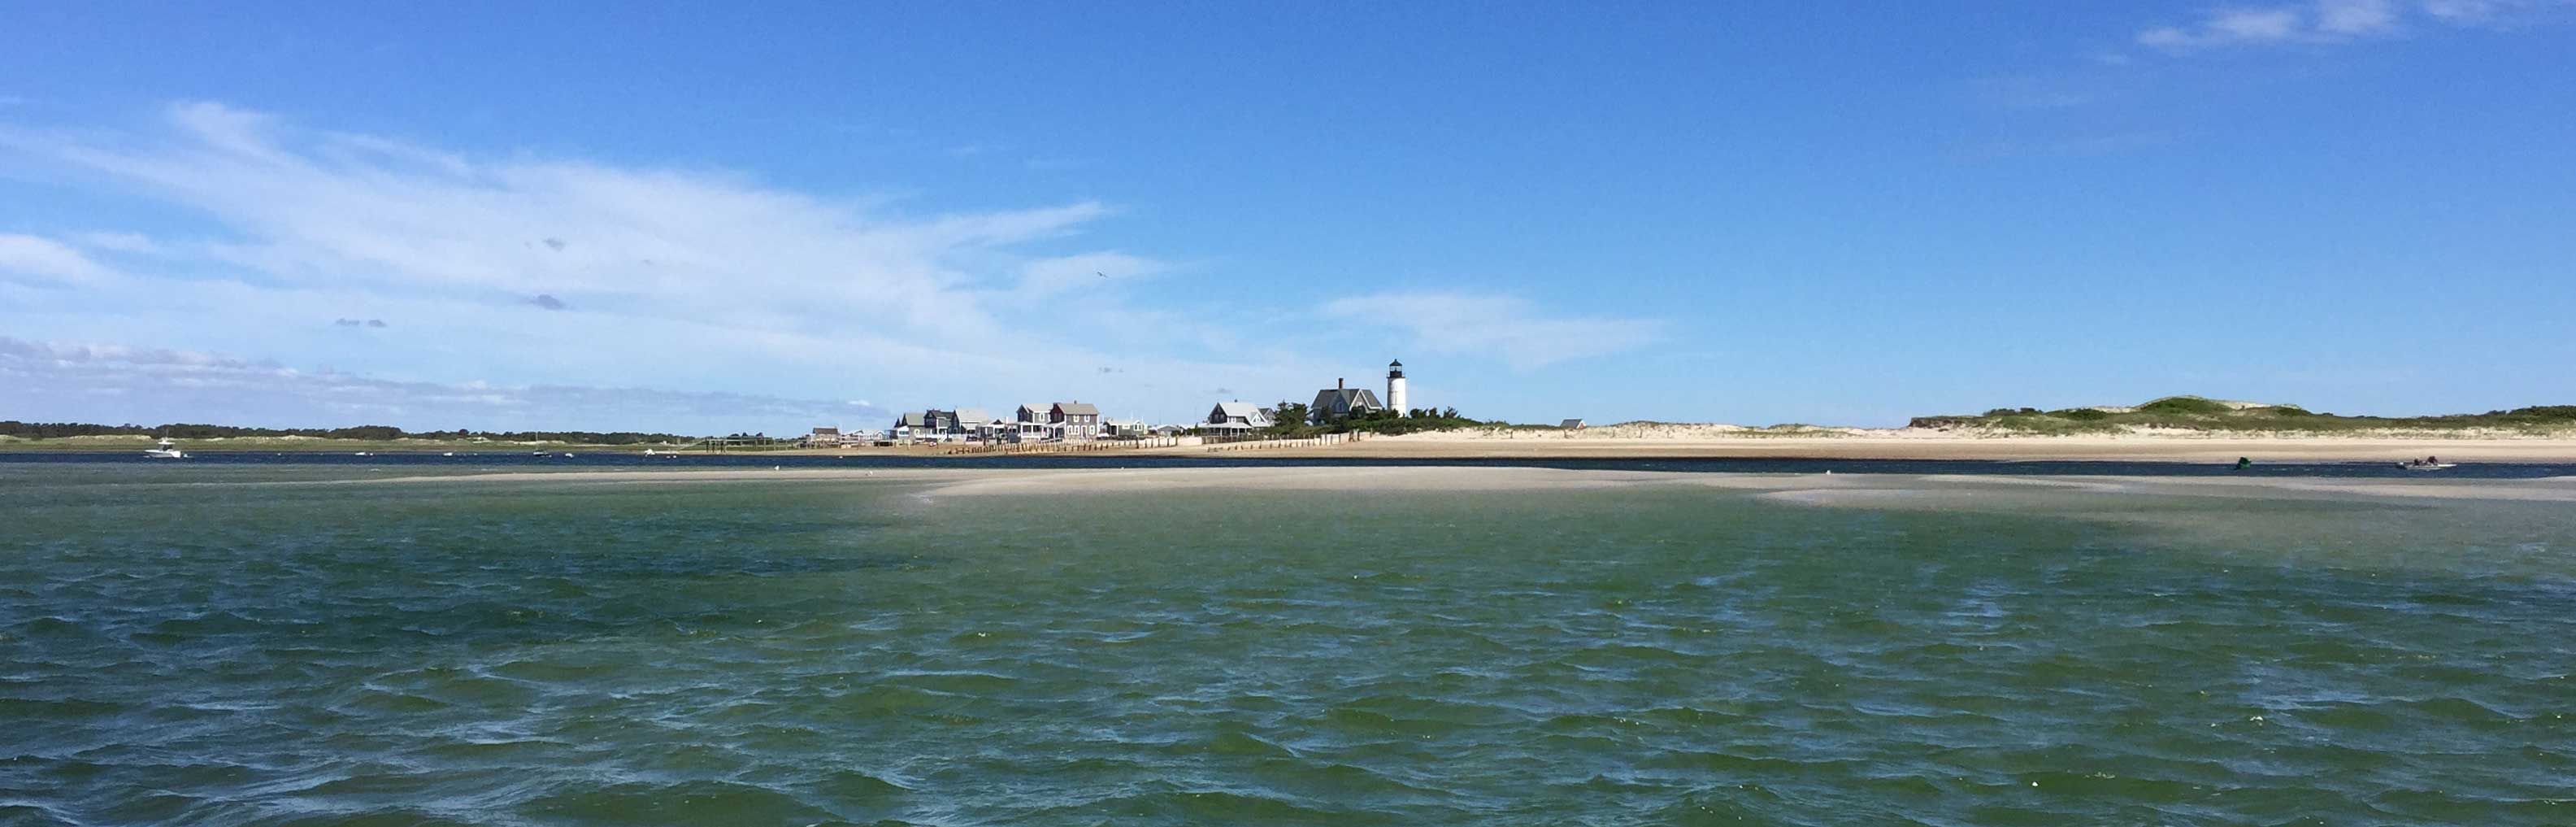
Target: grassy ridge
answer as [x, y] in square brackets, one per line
[2193, 413]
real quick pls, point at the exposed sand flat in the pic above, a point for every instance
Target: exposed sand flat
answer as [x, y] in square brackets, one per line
[692, 475]
[1936, 445]
[1903, 490]
[1307, 478]
[1965, 492]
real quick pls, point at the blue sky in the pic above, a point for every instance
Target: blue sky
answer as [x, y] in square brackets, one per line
[686, 217]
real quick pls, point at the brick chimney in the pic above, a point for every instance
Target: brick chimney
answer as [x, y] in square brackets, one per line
[1337, 383]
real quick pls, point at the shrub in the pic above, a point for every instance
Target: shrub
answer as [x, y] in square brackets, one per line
[2184, 405]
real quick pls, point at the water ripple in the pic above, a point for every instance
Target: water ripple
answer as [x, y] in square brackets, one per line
[841, 654]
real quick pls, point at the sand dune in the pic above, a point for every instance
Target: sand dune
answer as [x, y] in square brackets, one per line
[1683, 442]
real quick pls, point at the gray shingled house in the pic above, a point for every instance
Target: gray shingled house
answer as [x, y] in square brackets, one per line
[1341, 400]
[1080, 421]
[1234, 418]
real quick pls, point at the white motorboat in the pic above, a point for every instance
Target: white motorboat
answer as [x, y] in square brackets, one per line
[166, 450]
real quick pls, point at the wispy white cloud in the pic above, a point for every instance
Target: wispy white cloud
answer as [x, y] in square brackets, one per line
[117, 242]
[2501, 13]
[2356, 17]
[2339, 21]
[45, 260]
[322, 208]
[1105, 270]
[2322, 21]
[115, 383]
[694, 278]
[1512, 329]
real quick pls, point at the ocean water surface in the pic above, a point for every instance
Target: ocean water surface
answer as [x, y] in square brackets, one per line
[309, 645]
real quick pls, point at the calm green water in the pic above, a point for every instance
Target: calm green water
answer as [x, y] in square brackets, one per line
[851, 652]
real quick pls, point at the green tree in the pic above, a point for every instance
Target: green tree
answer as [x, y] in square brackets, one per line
[1287, 417]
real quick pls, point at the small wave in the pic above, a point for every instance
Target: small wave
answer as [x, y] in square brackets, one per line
[1205, 807]
[688, 802]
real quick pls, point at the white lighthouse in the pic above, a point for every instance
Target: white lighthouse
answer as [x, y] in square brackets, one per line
[1395, 388]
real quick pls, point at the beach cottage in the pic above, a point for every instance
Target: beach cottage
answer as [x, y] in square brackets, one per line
[1079, 421]
[1340, 401]
[972, 423]
[911, 425]
[1236, 418]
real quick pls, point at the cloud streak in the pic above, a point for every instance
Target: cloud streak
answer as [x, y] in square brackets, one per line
[30, 259]
[2328, 22]
[1509, 328]
[114, 383]
[695, 277]
[516, 277]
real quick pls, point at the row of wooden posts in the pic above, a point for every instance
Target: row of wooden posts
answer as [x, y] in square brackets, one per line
[1305, 442]
[1151, 442]
[1070, 447]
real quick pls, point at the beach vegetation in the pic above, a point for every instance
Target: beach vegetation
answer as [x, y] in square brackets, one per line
[1295, 421]
[2187, 405]
[2193, 413]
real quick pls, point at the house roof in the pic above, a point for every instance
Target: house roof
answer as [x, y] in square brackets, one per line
[1252, 414]
[973, 415]
[1077, 409]
[914, 419]
[1350, 397]
[826, 430]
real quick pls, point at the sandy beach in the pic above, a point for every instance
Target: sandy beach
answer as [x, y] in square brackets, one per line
[1912, 444]
[1909, 491]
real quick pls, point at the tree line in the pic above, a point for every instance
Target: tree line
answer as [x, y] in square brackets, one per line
[1296, 419]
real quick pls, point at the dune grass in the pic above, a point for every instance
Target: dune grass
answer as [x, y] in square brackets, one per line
[2193, 413]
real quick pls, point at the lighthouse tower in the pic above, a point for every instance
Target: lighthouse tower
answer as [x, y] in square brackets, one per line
[1395, 388]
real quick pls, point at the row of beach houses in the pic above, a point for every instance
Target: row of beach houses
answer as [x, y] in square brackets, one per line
[1083, 422]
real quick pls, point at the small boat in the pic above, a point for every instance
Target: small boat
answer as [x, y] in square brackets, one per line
[2421, 465]
[448, 454]
[165, 450]
[364, 454]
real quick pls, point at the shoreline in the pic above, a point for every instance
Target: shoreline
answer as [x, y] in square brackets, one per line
[2001, 449]
[1634, 449]
[1855, 447]
[1963, 491]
